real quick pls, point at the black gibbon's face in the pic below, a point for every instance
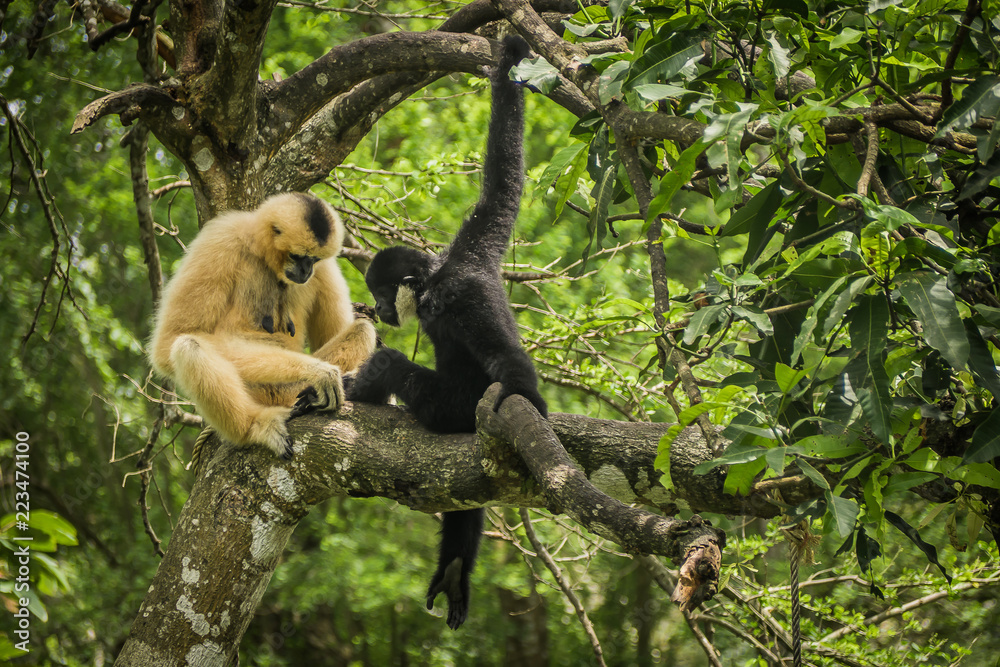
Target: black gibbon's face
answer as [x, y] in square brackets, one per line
[395, 304]
[385, 305]
[393, 279]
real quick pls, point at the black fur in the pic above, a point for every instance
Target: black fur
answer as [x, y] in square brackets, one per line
[462, 307]
[317, 218]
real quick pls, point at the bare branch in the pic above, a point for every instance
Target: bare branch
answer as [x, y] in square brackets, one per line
[581, 613]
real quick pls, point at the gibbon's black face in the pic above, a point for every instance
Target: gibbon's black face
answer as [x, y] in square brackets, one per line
[394, 279]
[299, 268]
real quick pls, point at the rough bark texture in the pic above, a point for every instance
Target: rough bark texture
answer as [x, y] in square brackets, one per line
[244, 507]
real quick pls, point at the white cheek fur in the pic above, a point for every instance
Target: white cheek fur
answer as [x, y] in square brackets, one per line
[406, 304]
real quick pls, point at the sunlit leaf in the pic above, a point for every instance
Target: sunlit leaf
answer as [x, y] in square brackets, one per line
[664, 61]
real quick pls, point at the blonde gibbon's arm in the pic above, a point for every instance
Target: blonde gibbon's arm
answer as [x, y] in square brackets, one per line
[207, 276]
[334, 333]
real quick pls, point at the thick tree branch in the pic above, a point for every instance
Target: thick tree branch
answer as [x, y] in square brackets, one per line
[301, 95]
[242, 510]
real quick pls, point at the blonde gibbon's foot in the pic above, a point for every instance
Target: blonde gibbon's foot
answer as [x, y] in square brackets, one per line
[326, 395]
[268, 428]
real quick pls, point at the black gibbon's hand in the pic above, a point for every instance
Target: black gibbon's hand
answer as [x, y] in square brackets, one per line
[529, 393]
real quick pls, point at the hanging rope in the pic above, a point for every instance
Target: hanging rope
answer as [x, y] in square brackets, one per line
[800, 546]
[795, 552]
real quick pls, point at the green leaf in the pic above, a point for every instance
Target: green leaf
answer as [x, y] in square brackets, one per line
[813, 474]
[775, 459]
[805, 334]
[918, 247]
[755, 316]
[597, 224]
[875, 405]
[701, 320]
[985, 445]
[732, 458]
[662, 461]
[846, 36]
[934, 305]
[617, 8]
[609, 85]
[755, 216]
[869, 325]
[844, 512]
[829, 446]
[779, 57]
[981, 360]
[983, 474]
[981, 98]
[876, 5]
[538, 74]
[654, 92]
[740, 478]
[560, 162]
[577, 159]
[664, 61]
[787, 377]
[929, 550]
[901, 481]
[842, 303]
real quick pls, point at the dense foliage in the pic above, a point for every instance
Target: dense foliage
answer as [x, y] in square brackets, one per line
[824, 185]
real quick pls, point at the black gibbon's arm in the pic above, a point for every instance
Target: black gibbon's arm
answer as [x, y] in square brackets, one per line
[459, 299]
[487, 231]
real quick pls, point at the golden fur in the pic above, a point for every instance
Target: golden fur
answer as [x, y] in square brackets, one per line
[232, 323]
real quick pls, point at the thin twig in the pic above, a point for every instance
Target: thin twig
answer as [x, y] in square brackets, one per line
[567, 590]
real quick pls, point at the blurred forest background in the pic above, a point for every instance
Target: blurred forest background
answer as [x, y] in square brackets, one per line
[350, 588]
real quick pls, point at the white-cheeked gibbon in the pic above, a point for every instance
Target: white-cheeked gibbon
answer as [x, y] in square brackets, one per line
[232, 325]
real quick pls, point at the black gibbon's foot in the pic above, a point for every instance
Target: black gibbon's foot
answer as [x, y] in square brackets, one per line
[450, 583]
[291, 328]
[371, 381]
[267, 324]
[348, 380]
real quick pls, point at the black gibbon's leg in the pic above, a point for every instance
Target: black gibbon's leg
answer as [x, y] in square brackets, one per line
[377, 378]
[460, 535]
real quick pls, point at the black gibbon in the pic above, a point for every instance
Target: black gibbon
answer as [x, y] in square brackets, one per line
[459, 299]
[233, 322]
